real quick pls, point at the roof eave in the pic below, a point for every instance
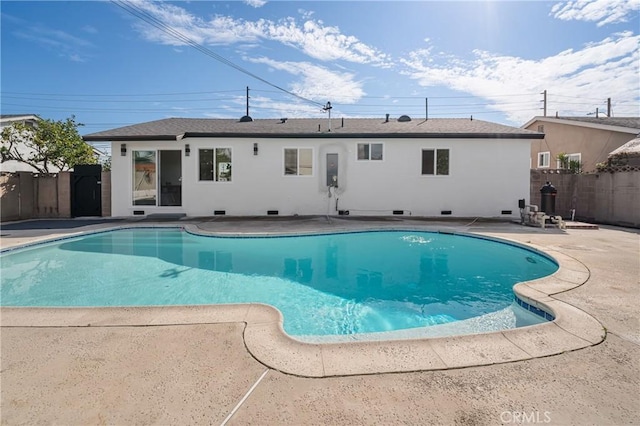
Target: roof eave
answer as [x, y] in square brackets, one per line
[112, 138]
[323, 135]
[367, 135]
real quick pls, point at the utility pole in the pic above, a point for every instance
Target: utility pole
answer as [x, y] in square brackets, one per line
[247, 101]
[608, 107]
[544, 102]
[327, 108]
[426, 109]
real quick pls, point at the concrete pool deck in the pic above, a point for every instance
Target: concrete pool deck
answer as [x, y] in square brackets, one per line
[104, 365]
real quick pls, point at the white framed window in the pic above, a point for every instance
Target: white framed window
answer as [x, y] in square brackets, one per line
[298, 162]
[370, 151]
[214, 164]
[543, 159]
[575, 157]
[435, 162]
[569, 159]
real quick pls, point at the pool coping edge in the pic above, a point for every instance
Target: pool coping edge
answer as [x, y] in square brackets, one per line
[266, 341]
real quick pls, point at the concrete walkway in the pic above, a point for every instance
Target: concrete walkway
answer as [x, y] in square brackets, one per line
[202, 373]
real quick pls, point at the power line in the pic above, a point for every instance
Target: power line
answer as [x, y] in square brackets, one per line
[115, 110]
[27, 98]
[152, 20]
[121, 94]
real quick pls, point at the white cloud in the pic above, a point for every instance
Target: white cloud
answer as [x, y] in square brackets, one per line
[323, 42]
[63, 43]
[306, 14]
[264, 107]
[256, 3]
[318, 83]
[576, 81]
[89, 29]
[311, 37]
[76, 58]
[602, 11]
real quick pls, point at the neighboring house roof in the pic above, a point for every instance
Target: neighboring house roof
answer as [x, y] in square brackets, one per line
[10, 118]
[632, 148]
[179, 128]
[616, 124]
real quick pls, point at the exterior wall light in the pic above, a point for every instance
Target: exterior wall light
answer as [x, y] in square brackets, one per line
[255, 148]
[123, 149]
[187, 150]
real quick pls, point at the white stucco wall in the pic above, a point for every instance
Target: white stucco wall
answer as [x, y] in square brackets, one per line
[485, 177]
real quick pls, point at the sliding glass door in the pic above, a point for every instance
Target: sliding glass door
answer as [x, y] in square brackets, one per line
[153, 170]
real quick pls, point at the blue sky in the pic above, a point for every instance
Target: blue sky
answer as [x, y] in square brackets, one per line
[98, 61]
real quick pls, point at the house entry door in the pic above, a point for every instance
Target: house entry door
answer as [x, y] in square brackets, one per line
[170, 177]
[332, 170]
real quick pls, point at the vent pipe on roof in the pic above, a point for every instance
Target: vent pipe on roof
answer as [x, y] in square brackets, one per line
[472, 118]
[342, 121]
[387, 119]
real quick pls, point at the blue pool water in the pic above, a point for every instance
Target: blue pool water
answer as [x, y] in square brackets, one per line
[335, 284]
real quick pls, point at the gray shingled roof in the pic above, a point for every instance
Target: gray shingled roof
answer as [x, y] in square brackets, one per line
[7, 116]
[629, 122]
[178, 128]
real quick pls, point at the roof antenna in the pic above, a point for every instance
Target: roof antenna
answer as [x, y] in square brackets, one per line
[328, 107]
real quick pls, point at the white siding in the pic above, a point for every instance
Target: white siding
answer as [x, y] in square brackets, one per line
[485, 177]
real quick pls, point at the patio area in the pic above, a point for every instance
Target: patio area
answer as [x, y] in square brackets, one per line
[193, 369]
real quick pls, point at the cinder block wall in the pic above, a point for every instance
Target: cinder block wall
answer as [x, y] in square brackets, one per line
[64, 194]
[606, 197]
[46, 195]
[106, 193]
[10, 196]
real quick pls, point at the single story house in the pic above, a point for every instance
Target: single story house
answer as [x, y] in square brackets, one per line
[431, 168]
[586, 140]
[30, 120]
[7, 120]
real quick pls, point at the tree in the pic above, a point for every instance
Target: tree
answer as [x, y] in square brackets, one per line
[46, 145]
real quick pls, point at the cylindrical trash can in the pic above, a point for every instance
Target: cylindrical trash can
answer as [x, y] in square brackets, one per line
[548, 199]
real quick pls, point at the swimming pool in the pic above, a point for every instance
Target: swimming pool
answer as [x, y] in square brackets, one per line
[324, 285]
